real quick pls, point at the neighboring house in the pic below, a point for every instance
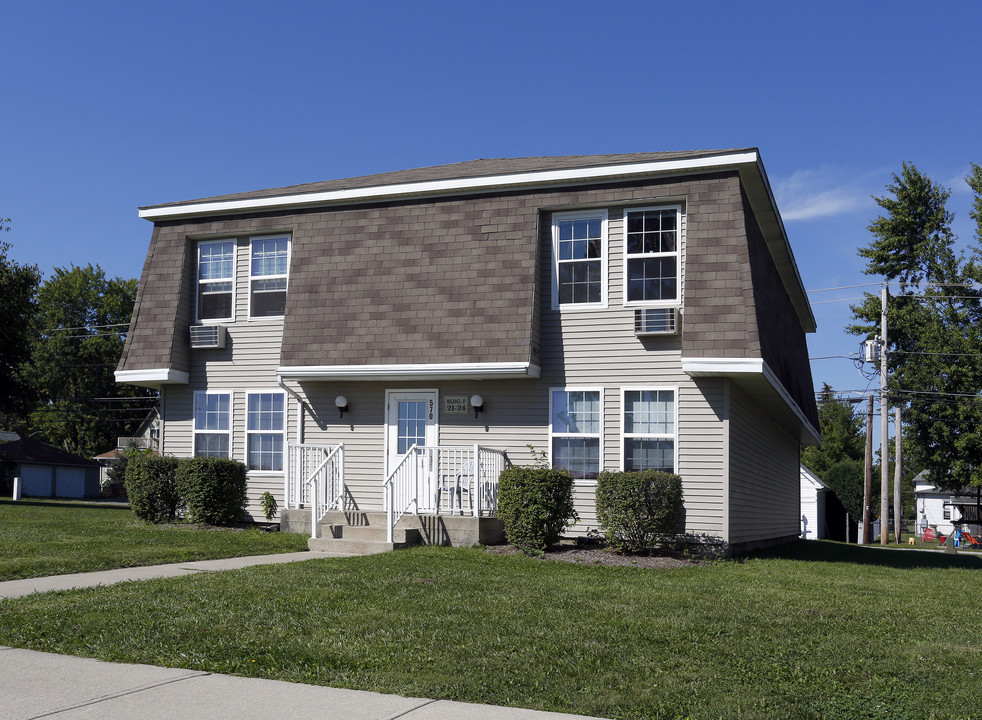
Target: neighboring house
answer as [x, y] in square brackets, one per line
[814, 499]
[940, 509]
[46, 471]
[415, 331]
[145, 438]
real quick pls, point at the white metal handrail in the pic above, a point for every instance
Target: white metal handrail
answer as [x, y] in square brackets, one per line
[315, 477]
[427, 478]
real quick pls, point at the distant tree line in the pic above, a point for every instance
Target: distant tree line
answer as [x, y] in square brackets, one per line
[60, 341]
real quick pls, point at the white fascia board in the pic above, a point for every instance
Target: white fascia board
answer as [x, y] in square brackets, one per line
[446, 187]
[152, 376]
[710, 367]
[707, 367]
[473, 371]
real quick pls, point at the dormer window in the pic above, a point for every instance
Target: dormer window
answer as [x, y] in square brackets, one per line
[579, 245]
[651, 255]
[216, 275]
[268, 276]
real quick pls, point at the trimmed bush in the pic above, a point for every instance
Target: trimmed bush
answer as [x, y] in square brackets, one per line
[536, 506]
[151, 489]
[637, 510]
[214, 489]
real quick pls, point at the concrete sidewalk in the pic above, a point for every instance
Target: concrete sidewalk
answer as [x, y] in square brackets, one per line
[62, 687]
[19, 588]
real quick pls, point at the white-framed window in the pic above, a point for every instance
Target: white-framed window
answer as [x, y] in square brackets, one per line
[265, 431]
[268, 266]
[575, 431]
[579, 251]
[216, 280]
[652, 237]
[649, 429]
[212, 424]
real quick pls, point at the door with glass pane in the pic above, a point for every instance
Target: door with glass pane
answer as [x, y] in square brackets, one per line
[411, 417]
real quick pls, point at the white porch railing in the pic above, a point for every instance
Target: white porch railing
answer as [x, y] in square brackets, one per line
[315, 479]
[428, 479]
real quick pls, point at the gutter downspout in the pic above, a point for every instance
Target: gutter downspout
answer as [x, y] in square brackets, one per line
[300, 433]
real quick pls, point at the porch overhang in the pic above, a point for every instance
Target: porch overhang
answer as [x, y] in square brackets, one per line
[430, 371]
[754, 377]
[152, 377]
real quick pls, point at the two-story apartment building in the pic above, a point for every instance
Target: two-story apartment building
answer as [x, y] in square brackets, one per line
[400, 337]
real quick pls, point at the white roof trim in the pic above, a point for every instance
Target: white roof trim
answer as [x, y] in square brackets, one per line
[474, 371]
[153, 376]
[455, 185]
[709, 367]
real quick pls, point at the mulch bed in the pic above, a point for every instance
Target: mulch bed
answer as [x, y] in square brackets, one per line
[598, 555]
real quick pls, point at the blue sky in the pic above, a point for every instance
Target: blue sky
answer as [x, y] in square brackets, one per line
[110, 106]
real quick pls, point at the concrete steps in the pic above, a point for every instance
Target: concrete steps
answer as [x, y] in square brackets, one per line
[362, 534]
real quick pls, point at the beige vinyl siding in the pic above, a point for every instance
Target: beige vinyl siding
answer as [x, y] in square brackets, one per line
[512, 420]
[597, 347]
[702, 456]
[247, 364]
[764, 492]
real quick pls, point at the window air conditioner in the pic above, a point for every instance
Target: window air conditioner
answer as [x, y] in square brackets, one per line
[207, 336]
[656, 321]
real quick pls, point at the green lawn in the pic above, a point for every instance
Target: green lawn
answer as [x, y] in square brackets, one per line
[812, 630]
[53, 538]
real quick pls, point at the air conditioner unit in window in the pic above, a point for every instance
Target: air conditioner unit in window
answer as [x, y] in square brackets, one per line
[656, 321]
[207, 336]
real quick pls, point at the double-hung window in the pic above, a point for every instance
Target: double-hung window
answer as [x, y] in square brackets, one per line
[268, 276]
[265, 426]
[216, 274]
[579, 246]
[651, 255]
[575, 431]
[649, 429]
[212, 424]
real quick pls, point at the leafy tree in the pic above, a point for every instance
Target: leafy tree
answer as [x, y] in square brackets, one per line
[842, 434]
[846, 480]
[933, 326]
[18, 285]
[83, 317]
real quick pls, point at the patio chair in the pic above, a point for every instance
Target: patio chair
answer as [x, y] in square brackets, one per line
[457, 485]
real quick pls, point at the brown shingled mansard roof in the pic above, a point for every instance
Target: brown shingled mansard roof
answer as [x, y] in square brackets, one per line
[483, 168]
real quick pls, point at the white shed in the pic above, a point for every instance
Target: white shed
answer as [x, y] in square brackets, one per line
[937, 509]
[813, 498]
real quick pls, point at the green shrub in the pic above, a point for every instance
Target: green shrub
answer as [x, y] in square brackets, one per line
[214, 489]
[637, 510]
[268, 503]
[150, 486]
[536, 506]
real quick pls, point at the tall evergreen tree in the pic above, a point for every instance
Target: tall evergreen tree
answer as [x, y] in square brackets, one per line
[842, 434]
[933, 336]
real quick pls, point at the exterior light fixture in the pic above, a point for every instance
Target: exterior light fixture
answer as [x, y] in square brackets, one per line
[477, 402]
[342, 404]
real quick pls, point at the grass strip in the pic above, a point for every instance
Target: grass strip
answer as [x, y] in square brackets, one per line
[814, 630]
[39, 538]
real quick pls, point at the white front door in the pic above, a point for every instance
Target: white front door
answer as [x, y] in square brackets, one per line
[410, 419]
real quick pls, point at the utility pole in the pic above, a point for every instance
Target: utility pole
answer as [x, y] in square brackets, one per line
[896, 475]
[868, 482]
[884, 423]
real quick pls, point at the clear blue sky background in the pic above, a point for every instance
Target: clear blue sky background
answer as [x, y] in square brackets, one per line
[110, 106]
